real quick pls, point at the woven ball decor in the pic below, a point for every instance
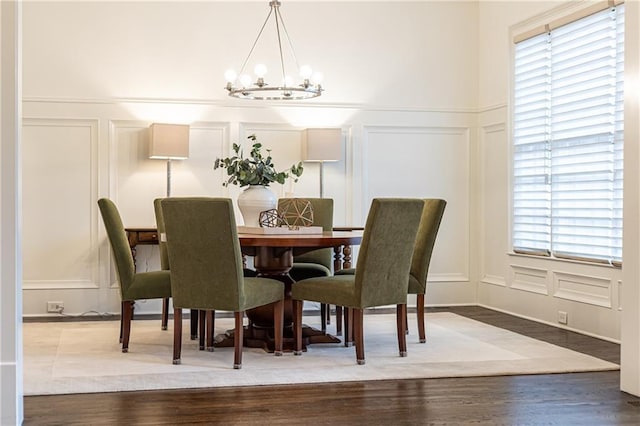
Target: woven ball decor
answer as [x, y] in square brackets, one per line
[270, 219]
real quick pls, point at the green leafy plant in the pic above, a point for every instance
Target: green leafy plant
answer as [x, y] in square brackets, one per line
[255, 169]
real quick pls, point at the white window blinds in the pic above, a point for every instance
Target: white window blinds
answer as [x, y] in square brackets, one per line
[568, 140]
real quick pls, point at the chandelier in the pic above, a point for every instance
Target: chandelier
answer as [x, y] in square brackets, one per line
[242, 85]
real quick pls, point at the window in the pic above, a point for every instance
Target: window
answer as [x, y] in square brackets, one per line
[568, 139]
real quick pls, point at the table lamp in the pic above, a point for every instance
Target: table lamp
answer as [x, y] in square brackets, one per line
[321, 145]
[169, 142]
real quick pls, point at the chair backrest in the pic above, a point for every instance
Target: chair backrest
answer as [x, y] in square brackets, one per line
[425, 240]
[204, 253]
[125, 268]
[162, 243]
[322, 216]
[384, 260]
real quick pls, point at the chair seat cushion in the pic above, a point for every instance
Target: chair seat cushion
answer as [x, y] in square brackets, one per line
[149, 285]
[336, 290]
[261, 291]
[302, 271]
[414, 285]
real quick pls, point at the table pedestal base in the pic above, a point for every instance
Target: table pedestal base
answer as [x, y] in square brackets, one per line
[255, 337]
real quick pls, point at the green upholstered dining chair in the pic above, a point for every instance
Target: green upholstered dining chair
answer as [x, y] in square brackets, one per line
[164, 265]
[425, 240]
[206, 268]
[316, 263]
[382, 276]
[133, 286]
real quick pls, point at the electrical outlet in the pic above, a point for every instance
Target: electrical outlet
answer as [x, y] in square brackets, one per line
[55, 307]
[562, 317]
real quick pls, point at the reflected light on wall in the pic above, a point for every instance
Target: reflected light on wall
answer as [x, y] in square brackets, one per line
[167, 113]
[316, 117]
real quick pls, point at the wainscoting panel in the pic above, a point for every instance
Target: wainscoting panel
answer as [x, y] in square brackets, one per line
[424, 162]
[493, 280]
[285, 143]
[60, 180]
[529, 279]
[493, 203]
[592, 290]
[139, 180]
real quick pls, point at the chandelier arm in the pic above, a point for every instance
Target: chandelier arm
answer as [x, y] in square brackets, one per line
[244, 64]
[286, 33]
[277, 14]
[276, 93]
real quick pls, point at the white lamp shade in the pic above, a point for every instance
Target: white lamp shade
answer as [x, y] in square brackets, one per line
[169, 141]
[322, 144]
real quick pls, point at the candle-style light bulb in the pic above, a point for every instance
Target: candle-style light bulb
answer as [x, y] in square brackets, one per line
[230, 76]
[305, 72]
[260, 70]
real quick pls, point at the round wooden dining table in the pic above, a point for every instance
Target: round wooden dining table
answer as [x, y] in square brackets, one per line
[273, 258]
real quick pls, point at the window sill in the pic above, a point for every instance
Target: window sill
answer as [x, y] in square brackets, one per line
[564, 260]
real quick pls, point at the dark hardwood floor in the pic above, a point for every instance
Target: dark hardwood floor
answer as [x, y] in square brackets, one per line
[557, 399]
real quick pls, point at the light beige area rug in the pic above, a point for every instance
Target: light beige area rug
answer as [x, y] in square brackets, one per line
[82, 357]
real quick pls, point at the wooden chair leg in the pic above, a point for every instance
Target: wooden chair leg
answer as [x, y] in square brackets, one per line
[328, 314]
[177, 335]
[238, 336]
[406, 321]
[401, 321]
[127, 315]
[194, 324]
[165, 313]
[338, 320]
[297, 327]
[420, 310]
[278, 327]
[348, 326]
[201, 324]
[121, 320]
[358, 333]
[209, 330]
[323, 317]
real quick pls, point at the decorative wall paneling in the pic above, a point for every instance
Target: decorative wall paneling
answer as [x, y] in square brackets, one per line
[427, 162]
[596, 291]
[491, 186]
[529, 279]
[530, 286]
[60, 229]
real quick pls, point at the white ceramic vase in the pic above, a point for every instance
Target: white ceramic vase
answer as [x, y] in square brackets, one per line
[254, 200]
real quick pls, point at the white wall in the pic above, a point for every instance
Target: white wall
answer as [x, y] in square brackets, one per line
[630, 351]
[528, 286]
[602, 301]
[420, 90]
[11, 404]
[97, 74]
[415, 120]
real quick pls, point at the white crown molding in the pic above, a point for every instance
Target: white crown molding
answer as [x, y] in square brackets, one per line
[253, 104]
